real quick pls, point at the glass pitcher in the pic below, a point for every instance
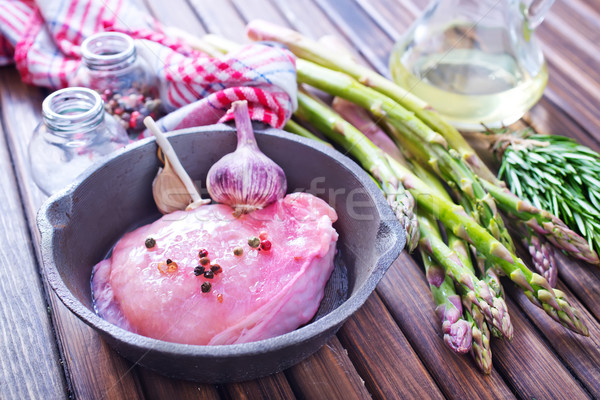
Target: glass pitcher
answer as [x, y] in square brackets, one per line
[474, 61]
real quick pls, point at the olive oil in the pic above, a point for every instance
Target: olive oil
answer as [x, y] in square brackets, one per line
[470, 86]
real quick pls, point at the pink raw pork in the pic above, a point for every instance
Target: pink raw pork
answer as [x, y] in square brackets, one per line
[257, 295]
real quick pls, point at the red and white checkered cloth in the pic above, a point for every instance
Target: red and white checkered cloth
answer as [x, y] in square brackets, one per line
[43, 38]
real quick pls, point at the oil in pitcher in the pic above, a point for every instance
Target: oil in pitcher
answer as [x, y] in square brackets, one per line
[475, 61]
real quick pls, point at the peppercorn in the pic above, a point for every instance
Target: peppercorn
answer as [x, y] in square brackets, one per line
[150, 243]
[209, 274]
[203, 253]
[238, 251]
[171, 267]
[205, 287]
[168, 267]
[262, 235]
[253, 242]
[199, 270]
[265, 245]
[204, 261]
[169, 261]
[216, 268]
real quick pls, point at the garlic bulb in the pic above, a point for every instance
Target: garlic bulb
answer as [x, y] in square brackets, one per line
[246, 179]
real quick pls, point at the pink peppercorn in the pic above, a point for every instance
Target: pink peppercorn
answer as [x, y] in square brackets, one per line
[265, 245]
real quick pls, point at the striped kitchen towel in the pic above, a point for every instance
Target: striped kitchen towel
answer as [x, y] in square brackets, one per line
[43, 38]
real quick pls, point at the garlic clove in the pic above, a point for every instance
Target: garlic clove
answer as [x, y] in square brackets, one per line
[172, 188]
[168, 190]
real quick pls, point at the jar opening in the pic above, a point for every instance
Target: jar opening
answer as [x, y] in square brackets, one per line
[73, 110]
[108, 51]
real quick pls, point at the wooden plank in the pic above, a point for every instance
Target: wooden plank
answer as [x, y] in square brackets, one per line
[27, 344]
[580, 354]
[270, 387]
[406, 294]
[158, 387]
[393, 17]
[258, 9]
[360, 29]
[547, 118]
[93, 370]
[384, 357]
[528, 364]
[176, 13]
[328, 374]
[309, 19]
[221, 18]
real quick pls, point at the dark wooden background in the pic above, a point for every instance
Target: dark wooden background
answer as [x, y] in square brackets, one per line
[392, 347]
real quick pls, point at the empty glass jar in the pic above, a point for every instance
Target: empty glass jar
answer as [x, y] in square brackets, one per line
[126, 83]
[75, 132]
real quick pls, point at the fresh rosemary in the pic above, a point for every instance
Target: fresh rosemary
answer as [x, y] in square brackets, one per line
[557, 174]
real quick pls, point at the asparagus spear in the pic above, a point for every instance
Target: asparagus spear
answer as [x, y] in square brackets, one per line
[476, 292]
[480, 331]
[360, 118]
[457, 331]
[454, 217]
[311, 50]
[541, 251]
[294, 127]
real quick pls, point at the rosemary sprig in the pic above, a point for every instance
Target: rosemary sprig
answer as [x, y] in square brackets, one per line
[557, 174]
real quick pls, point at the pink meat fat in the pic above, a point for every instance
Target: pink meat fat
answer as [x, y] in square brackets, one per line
[258, 295]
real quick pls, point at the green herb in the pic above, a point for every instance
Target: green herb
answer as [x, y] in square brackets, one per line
[557, 174]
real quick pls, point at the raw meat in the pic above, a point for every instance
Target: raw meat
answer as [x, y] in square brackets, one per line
[258, 295]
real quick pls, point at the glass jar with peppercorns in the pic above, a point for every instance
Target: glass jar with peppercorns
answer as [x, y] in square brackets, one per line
[111, 67]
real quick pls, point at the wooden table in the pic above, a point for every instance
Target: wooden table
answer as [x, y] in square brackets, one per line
[392, 347]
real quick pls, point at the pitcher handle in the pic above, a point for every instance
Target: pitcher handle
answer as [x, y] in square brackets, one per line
[534, 11]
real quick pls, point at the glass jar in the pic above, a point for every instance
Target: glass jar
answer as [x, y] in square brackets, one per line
[75, 132]
[128, 87]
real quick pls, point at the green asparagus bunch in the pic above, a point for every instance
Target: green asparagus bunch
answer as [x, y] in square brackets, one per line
[454, 217]
[470, 332]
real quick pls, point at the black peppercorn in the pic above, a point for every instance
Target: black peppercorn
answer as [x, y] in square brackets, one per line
[203, 253]
[209, 274]
[216, 268]
[199, 270]
[150, 243]
[169, 261]
[206, 287]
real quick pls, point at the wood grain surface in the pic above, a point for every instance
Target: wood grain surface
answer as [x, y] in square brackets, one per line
[392, 347]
